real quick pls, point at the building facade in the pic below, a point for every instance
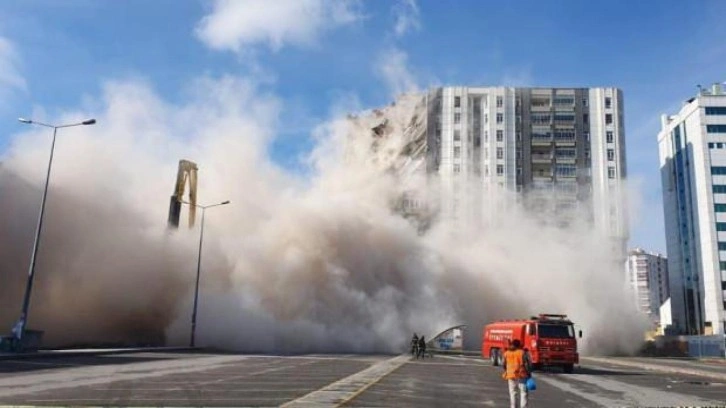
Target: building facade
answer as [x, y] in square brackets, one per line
[558, 151]
[648, 277]
[692, 148]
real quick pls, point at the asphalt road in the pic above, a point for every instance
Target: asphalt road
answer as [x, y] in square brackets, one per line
[187, 379]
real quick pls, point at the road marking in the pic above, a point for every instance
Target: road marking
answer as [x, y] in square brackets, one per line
[342, 391]
[83, 376]
[630, 394]
[658, 367]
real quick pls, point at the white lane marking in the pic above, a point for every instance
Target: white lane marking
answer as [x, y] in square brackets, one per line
[658, 367]
[342, 391]
[94, 375]
[631, 394]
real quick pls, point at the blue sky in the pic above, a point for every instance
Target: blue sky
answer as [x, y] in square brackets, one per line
[331, 55]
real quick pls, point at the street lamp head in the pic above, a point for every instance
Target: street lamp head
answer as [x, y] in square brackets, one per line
[25, 120]
[89, 122]
[224, 202]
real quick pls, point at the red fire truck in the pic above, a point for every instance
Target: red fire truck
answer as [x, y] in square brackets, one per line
[548, 338]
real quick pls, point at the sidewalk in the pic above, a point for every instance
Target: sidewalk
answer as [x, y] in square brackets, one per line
[92, 352]
[702, 368]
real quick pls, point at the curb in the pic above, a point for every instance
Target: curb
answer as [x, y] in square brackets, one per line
[91, 352]
[656, 367]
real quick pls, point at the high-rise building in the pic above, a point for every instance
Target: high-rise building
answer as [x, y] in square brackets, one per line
[692, 145]
[560, 152]
[648, 277]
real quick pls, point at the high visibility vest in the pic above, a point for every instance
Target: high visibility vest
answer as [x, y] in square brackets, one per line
[515, 365]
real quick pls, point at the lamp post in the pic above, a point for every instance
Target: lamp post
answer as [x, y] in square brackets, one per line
[19, 328]
[199, 266]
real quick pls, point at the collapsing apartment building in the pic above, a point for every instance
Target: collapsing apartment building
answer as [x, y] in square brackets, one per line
[558, 152]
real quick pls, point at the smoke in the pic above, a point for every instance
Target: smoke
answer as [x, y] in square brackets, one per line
[291, 265]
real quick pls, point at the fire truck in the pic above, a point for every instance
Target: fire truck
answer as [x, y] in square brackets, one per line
[549, 339]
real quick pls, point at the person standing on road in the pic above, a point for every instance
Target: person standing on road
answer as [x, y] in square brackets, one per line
[517, 368]
[414, 345]
[422, 347]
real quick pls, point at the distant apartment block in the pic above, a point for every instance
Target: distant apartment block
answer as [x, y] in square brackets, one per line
[559, 152]
[692, 146]
[648, 277]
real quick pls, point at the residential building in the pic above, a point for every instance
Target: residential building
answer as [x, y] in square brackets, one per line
[648, 277]
[692, 146]
[559, 152]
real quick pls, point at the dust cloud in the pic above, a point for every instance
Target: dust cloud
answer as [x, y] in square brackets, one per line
[320, 263]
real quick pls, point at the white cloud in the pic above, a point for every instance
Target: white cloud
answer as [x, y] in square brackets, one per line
[407, 17]
[239, 24]
[392, 66]
[10, 77]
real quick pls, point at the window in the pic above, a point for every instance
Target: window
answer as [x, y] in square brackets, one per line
[608, 119]
[477, 141]
[609, 136]
[720, 207]
[457, 135]
[457, 151]
[608, 103]
[540, 102]
[716, 128]
[500, 170]
[585, 102]
[585, 118]
[563, 134]
[500, 153]
[721, 171]
[722, 247]
[500, 135]
[719, 189]
[565, 152]
[564, 100]
[500, 118]
[611, 172]
[721, 226]
[566, 170]
[486, 136]
[500, 101]
[457, 101]
[611, 155]
[564, 118]
[715, 110]
[457, 118]
[711, 145]
[540, 118]
[457, 168]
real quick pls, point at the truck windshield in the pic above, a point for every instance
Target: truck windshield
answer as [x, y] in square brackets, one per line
[556, 331]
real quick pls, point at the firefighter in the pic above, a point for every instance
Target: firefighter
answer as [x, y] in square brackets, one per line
[517, 369]
[422, 347]
[414, 345]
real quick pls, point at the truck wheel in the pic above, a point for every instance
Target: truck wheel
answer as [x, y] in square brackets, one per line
[569, 368]
[494, 356]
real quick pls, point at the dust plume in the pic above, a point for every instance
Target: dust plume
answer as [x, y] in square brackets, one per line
[319, 264]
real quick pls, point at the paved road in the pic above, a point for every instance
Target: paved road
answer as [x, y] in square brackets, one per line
[187, 379]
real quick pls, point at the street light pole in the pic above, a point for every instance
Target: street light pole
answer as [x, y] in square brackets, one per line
[199, 268]
[22, 322]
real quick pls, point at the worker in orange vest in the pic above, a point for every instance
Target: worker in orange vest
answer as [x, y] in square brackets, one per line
[517, 368]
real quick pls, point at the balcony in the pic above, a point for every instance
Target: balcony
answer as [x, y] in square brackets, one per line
[539, 139]
[542, 157]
